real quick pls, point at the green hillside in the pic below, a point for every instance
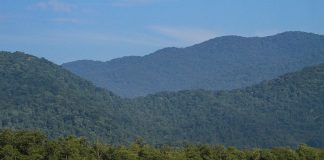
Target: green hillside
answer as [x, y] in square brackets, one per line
[285, 111]
[38, 94]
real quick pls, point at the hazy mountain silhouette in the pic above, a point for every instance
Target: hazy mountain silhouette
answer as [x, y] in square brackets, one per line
[226, 62]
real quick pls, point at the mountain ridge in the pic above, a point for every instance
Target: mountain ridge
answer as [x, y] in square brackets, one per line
[172, 48]
[226, 62]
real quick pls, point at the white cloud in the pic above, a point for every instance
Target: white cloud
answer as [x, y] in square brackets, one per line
[65, 20]
[129, 3]
[54, 5]
[184, 34]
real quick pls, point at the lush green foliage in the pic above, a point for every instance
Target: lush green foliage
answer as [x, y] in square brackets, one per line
[285, 111]
[38, 94]
[26, 145]
[228, 62]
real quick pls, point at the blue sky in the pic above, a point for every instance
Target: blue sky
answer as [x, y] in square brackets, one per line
[67, 30]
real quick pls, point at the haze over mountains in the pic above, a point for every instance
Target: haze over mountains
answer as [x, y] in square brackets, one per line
[38, 94]
[227, 62]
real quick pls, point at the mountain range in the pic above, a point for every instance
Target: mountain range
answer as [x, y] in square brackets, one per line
[286, 111]
[222, 63]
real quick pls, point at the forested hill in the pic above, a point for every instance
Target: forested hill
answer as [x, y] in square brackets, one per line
[36, 93]
[228, 62]
[284, 111]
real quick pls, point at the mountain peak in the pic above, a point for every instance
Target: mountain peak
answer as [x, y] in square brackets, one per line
[294, 33]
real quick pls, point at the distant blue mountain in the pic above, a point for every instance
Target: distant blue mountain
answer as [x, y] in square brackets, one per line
[226, 62]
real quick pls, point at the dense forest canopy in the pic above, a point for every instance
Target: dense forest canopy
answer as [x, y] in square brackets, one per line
[36, 93]
[287, 111]
[228, 62]
[27, 145]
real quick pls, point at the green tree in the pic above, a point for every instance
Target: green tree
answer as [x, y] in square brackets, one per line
[307, 153]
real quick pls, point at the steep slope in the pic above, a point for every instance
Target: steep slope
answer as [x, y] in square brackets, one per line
[227, 62]
[35, 93]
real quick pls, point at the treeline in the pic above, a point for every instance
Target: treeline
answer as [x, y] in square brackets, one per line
[31, 145]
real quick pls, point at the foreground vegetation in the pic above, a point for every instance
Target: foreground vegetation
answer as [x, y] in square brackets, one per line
[29, 145]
